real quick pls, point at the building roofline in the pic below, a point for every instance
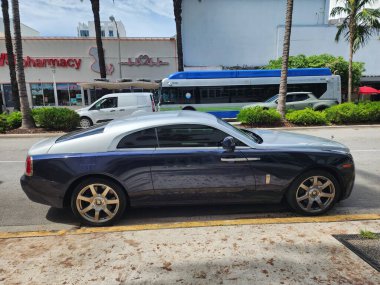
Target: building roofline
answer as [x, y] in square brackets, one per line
[39, 38]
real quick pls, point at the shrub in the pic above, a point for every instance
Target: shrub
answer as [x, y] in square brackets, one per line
[258, 116]
[3, 123]
[14, 120]
[56, 118]
[307, 117]
[347, 113]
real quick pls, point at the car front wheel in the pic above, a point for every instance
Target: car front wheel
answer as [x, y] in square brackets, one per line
[313, 193]
[85, 123]
[98, 202]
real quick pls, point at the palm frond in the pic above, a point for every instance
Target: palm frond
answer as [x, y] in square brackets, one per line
[342, 28]
[336, 11]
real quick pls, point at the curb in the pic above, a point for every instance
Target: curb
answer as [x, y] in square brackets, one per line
[36, 135]
[195, 224]
[322, 127]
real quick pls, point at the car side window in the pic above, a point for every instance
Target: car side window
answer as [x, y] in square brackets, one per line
[106, 103]
[289, 98]
[301, 97]
[190, 136]
[141, 139]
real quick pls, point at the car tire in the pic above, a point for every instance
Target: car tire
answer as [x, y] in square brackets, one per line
[98, 202]
[313, 193]
[85, 122]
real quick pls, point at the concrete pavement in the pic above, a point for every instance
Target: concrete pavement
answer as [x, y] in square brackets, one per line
[302, 253]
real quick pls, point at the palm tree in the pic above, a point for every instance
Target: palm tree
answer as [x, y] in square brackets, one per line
[359, 24]
[27, 119]
[178, 22]
[11, 58]
[98, 33]
[285, 59]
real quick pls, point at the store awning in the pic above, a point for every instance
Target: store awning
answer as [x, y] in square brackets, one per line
[367, 90]
[119, 85]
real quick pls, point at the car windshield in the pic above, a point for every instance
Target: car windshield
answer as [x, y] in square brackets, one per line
[249, 134]
[272, 99]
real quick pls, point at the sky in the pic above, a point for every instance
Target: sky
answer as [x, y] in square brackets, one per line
[141, 18]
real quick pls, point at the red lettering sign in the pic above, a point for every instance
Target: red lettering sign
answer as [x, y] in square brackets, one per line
[144, 60]
[45, 62]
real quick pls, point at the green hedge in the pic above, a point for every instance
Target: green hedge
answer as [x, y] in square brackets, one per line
[259, 116]
[348, 113]
[3, 123]
[307, 117]
[51, 118]
[14, 120]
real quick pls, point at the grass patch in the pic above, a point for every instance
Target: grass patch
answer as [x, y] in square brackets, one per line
[368, 234]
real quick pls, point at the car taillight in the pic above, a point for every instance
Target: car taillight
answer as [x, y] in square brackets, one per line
[29, 166]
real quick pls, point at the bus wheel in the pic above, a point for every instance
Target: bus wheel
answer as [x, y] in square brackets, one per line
[188, 108]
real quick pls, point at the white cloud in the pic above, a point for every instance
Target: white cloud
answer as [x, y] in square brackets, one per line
[60, 17]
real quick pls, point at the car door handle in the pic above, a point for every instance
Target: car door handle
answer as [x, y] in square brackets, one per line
[112, 110]
[122, 110]
[233, 159]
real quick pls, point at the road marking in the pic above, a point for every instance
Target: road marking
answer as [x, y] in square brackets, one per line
[196, 224]
[12, 161]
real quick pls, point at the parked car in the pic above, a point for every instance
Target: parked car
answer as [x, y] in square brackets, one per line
[297, 101]
[114, 106]
[182, 158]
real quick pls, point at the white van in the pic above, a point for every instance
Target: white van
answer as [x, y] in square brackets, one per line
[114, 106]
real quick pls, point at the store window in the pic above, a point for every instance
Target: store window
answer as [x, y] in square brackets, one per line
[110, 34]
[7, 88]
[69, 94]
[42, 94]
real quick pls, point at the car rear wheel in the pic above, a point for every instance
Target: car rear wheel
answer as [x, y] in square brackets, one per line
[85, 122]
[313, 193]
[98, 202]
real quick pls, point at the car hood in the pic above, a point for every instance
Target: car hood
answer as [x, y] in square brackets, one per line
[293, 140]
[82, 109]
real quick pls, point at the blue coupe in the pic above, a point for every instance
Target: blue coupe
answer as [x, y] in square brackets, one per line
[184, 158]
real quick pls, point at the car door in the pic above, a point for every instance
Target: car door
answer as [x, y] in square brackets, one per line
[105, 109]
[127, 105]
[189, 166]
[300, 101]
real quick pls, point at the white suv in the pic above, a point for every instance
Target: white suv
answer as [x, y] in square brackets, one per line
[114, 106]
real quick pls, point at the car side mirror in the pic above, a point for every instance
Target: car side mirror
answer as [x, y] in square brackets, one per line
[229, 144]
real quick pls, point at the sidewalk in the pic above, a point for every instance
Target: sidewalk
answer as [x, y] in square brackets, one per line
[293, 253]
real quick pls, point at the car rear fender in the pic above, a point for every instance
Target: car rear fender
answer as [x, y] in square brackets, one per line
[73, 184]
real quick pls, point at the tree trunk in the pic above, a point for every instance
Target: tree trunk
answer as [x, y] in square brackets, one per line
[10, 54]
[178, 24]
[27, 119]
[351, 55]
[285, 60]
[99, 43]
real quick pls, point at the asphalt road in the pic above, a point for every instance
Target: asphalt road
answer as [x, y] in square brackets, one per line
[18, 213]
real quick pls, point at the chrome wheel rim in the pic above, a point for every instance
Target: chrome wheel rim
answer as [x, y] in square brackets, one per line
[97, 203]
[84, 123]
[315, 194]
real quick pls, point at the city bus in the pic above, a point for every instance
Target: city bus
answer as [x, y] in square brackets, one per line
[224, 92]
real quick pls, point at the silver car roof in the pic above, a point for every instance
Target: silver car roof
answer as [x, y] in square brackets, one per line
[114, 131]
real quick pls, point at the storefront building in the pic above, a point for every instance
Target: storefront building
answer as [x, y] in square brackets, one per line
[55, 66]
